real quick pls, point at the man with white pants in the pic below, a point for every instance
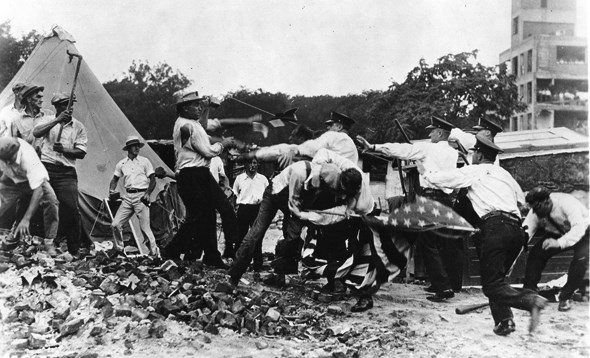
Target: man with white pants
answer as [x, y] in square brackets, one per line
[139, 181]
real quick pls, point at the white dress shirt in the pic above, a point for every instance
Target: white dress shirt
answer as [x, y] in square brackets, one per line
[216, 168]
[491, 187]
[568, 213]
[338, 142]
[438, 156]
[249, 190]
[198, 150]
[73, 135]
[135, 172]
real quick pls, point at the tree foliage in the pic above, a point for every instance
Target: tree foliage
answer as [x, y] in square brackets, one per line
[14, 51]
[146, 97]
[455, 88]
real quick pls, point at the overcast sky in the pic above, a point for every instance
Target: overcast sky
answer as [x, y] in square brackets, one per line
[333, 47]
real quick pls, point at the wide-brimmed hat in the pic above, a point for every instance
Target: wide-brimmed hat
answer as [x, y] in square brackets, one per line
[29, 90]
[133, 140]
[62, 97]
[183, 97]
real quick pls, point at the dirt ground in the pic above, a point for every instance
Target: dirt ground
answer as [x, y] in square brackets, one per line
[402, 323]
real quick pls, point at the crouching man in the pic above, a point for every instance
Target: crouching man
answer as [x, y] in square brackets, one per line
[24, 176]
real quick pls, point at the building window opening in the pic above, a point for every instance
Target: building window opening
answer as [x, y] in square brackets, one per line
[515, 66]
[571, 55]
[529, 92]
[529, 61]
[515, 25]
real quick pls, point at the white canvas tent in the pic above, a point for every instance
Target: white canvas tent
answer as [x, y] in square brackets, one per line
[107, 126]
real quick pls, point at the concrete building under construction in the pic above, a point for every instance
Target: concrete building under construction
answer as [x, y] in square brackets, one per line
[550, 62]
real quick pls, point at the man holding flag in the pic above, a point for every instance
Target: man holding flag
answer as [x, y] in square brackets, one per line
[495, 196]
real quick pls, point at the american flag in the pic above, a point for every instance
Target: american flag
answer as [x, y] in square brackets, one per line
[424, 215]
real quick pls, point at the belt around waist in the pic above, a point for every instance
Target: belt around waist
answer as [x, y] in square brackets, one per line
[430, 191]
[504, 214]
[133, 190]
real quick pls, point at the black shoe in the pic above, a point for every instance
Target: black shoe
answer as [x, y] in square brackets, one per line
[505, 327]
[565, 305]
[441, 296]
[430, 289]
[333, 287]
[538, 304]
[364, 303]
[277, 280]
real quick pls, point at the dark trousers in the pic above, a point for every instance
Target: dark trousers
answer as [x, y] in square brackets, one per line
[443, 257]
[246, 216]
[502, 240]
[229, 222]
[64, 181]
[288, 249]
[197, 234]
[537, 260]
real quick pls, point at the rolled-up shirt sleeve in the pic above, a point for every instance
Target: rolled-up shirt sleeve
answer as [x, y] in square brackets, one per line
[30, 162]
[81, 141]
[579, 225]
[199, 141]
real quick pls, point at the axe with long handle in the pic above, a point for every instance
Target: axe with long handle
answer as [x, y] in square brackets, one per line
[71, 56]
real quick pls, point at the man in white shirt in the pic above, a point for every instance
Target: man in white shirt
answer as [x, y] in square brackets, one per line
[335, 139]
[30, 115]
[23, 177]
[196, 185]
[11, 112]
[139, 182]
[495, 196]
[443, 258]
[568, 216]
[249, 188]
[59, 155]
[289, 191]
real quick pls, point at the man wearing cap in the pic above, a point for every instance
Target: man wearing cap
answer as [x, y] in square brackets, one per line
[495, 196]
[196, 185]
[139, 182]
[31, 115]
[290, 191]
[443, 258]
[64, 142]
[487, 126]
[12, 112]
[335, 139]
[566, 215]
[24, 177]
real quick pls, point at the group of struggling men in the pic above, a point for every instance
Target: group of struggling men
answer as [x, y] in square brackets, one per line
[321, 194]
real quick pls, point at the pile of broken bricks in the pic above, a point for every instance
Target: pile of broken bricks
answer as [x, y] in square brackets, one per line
[49, 301]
